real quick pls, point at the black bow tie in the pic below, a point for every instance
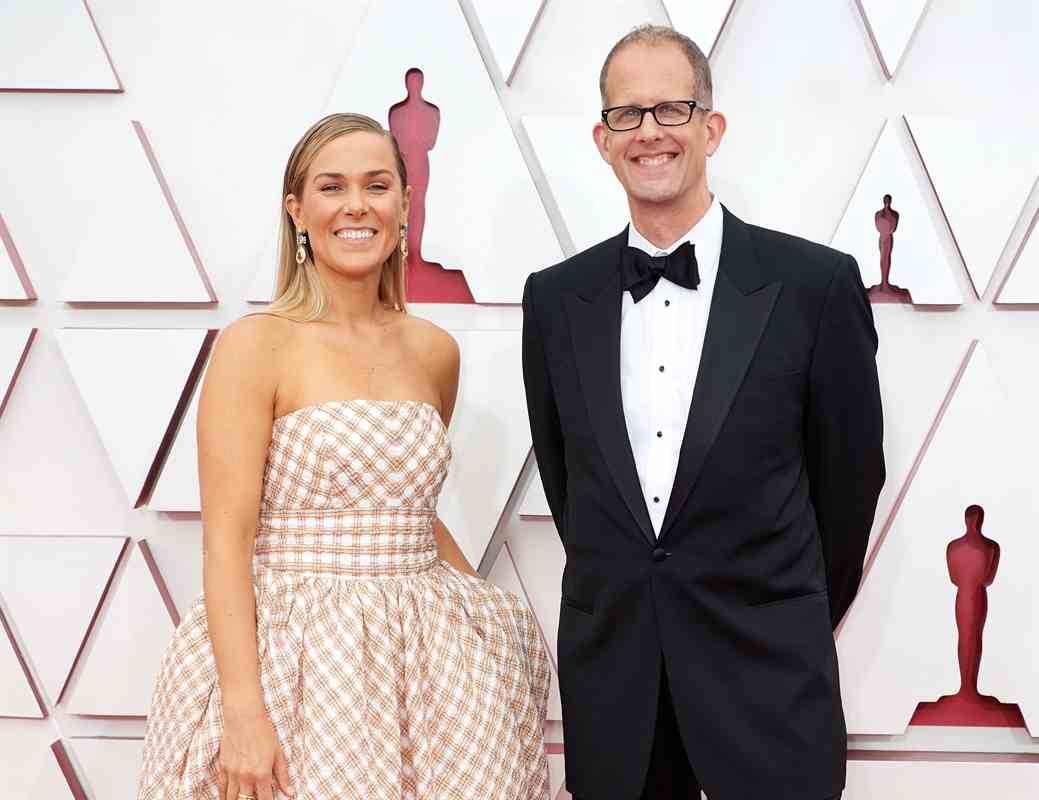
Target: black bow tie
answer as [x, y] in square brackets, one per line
[641, 271]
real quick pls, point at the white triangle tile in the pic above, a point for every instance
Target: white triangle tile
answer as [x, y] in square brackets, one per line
[52, 587]
[898, 643]
[105, 163]
[131, 380]
[701, 21]
[177, 486]
[109, 765]
[18, 696]
[534, 503]
[917, 361]
[924, 256]
[891, 24]
[490, 417]
[14, 282]
[507, 27]
[503, 574]
[475, 144]
[982, 175]
[37, 54]
[1022, 285]
[14, 348]
[591, 201]
[29, 770]
[539, 559]
[966, 779]
[121, 661]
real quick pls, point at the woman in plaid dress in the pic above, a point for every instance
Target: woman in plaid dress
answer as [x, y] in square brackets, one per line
[343, 648]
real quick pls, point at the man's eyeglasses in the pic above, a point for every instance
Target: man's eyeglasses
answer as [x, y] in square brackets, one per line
[668, 113]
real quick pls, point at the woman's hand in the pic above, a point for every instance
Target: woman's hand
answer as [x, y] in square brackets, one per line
[251, 762]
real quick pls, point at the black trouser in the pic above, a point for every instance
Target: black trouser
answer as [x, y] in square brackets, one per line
[670, 777]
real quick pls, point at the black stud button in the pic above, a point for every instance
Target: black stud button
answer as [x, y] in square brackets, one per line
[656, 499]
[660, 555]
[659, 434]
[667, 302]
[661, 367]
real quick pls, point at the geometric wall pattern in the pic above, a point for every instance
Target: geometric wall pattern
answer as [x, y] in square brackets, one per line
[121, 315]
[38, 55]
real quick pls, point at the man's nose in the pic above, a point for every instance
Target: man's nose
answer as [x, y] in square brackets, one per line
[649, 130]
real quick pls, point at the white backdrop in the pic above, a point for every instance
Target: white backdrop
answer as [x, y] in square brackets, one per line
[138, 226]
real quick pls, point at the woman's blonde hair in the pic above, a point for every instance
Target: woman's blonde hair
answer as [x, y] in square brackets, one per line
[299, 293]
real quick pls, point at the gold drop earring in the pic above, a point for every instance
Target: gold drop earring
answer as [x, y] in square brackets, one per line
[301, 244]
[404, 240]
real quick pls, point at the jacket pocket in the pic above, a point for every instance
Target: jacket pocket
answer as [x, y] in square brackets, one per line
[578, 605]
[789, 600]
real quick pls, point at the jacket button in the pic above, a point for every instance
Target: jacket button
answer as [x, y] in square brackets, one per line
[660, 555]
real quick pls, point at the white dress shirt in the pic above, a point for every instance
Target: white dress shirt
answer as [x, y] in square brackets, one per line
[662, 339]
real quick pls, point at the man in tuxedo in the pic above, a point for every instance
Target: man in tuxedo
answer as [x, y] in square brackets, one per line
[706, 416]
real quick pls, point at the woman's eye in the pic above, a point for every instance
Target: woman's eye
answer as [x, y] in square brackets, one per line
[378, 187]
[329, 186]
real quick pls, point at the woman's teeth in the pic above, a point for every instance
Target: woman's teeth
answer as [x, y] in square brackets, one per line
[354, 234]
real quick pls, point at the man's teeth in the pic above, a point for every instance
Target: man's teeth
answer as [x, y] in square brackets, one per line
[655, 161]
[365, 234]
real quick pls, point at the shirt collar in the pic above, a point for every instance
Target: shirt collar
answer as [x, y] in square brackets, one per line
[706, 235]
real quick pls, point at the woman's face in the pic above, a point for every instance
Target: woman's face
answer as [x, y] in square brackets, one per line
[352, 204]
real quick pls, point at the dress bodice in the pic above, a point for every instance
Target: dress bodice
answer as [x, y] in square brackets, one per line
[350, 488]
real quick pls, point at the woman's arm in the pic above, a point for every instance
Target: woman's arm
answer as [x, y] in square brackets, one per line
[234, 430]
[445, 361]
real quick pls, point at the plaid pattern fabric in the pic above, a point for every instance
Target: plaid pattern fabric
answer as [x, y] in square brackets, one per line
[388, 675]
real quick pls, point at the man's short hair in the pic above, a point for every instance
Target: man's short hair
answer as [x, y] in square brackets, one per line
[660, 34]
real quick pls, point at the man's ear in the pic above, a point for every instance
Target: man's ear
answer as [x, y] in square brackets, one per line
[601, 135]
[716, 125]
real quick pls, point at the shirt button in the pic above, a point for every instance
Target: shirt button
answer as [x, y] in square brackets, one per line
[661, 367]
[656, 499]
[667, 302]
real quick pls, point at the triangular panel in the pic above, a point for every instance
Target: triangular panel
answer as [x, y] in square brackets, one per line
[898, 644]
[982, 189]
[1022, 285]
[508, 27]
[116, 162]
[700, 20]
[38, 55]
[490, 418]
[589, 197]
[923, 255]
[177, 487]
[14, 280]
[110, 765]
[492, 235]
[534, 502]
[18, 694]
[133, 381]
[891, 24]
[14, 348]
[52, 587]
[121, 660]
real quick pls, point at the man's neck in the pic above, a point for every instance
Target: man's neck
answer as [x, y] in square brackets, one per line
[662, 224]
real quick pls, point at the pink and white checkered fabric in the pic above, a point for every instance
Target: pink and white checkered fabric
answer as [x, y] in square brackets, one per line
[388, 674]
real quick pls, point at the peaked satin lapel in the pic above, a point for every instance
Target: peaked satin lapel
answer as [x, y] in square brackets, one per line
[595, 329]
[740, 309]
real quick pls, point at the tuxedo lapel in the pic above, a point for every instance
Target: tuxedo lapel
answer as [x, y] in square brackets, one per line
[595, 328]
[740, 309]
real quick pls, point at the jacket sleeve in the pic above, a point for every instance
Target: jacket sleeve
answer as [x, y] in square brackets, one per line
[545, 429]
[844, 431]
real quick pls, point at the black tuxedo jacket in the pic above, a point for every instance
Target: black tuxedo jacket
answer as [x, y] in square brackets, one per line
[762, 545]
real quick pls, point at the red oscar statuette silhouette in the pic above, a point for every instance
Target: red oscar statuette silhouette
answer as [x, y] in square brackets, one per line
[973, 560]
[886, 220]
[415, 122]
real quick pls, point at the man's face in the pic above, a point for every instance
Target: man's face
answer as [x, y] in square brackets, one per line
[656, 164]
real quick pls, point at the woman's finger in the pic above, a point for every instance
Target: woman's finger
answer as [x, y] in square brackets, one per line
[221, 780]
[232, 788]
[264, 790]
